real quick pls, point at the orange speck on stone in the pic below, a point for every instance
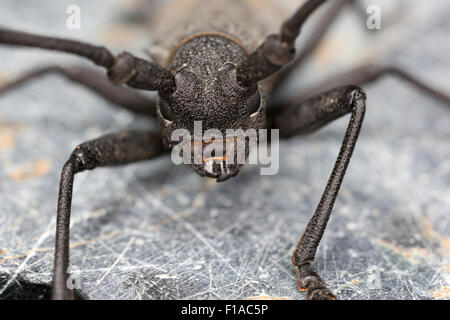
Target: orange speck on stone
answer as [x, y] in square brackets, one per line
[30, 170]
[8, 134]
[441, 293]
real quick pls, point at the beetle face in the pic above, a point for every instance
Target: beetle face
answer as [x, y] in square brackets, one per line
[218, 103]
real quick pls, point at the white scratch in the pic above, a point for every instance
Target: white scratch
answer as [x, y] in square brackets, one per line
[121, 255]
[31, 254]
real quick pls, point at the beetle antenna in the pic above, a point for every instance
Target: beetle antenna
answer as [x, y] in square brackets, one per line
[124, 68]
[278, 49]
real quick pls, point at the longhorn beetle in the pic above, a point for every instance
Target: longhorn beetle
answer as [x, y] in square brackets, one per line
[219, 69]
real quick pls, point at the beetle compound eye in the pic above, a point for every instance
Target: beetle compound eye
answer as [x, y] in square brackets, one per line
[253, 102]
[166, 110]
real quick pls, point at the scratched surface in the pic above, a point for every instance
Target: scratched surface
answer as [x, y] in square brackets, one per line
[158, 231]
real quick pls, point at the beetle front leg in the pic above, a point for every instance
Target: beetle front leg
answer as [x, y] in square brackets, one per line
[305, 117]
[94, 81]
[368, 73]
[110, 150]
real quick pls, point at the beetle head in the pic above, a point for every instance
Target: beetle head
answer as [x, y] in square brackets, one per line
[220, 104]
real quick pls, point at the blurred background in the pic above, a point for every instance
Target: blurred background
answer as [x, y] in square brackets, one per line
[154, 230]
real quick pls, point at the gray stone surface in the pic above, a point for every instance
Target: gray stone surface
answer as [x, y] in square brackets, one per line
[159, 231]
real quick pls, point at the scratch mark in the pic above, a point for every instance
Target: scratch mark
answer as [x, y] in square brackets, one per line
[121, 268]
[267, 298]
[156, 203]
[165, 276]
[353, 284]
[196, 203]
[282, 268]
[209, 292]
[41, 250]
[33, 251]
[121, 255]
[410, 254]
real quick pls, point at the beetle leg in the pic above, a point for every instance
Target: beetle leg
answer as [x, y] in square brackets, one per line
[368, 73]
[308, 116]
[95, 82]
[110, 150]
